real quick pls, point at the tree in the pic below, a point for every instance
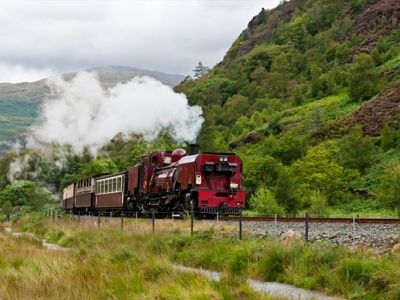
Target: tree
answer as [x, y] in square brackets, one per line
[319, 171]
[289, 147]
[262, 170]
[100, 165]
[363, 77]
[234, 107]
[356, 151]
[388, 137]
[25, 193]
[285, 192]
[200, 70]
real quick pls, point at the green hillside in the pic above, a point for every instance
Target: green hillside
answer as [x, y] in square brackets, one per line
[309, 97]
[294, 96]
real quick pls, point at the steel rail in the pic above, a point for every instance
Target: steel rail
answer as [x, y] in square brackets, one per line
[314, 219]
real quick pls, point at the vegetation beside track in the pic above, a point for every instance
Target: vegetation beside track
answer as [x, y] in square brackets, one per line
[111, 262]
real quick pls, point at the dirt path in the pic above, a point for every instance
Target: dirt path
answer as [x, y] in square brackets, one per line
[268, 288]
[45, 244]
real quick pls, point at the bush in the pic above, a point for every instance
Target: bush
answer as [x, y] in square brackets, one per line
[390, 188]
[388, 137]
[263, 201]
[355, 270]
[272, 266]
[318, 203]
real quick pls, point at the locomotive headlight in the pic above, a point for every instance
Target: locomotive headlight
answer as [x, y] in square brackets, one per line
[234, 185]
[198, 179]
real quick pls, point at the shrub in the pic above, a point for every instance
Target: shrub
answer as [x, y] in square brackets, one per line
[318, 203]
[55, 235]
[272, 266]
[355, 270]
[390, 189]
[263, 201]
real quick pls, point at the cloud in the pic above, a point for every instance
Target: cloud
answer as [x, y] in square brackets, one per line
[83, 114]
[19, 73]
[170, 36]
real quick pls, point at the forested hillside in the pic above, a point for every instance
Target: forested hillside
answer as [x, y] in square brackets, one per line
[309, 96]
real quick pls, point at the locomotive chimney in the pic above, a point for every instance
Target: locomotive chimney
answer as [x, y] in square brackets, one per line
[194, 149]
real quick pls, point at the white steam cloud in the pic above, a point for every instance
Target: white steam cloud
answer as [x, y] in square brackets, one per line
[84, 115]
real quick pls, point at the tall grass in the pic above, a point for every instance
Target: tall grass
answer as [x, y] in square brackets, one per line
[110, 263]
[103, 264]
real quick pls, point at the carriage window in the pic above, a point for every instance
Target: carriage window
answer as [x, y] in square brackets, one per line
[97, 188]
[106, 185]
[114, 184]
[102, 187]
[119, 184]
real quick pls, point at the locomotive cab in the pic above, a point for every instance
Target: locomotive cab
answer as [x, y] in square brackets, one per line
[214, 182]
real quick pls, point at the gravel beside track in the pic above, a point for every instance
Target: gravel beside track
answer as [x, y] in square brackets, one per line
[380, 237]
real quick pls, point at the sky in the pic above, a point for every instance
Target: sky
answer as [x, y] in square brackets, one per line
[43, 38]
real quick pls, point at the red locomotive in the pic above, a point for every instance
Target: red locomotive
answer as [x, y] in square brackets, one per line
[166, 181]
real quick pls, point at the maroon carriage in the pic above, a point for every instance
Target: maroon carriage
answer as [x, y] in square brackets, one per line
[110, 191]
[84, 194]
[69, 197]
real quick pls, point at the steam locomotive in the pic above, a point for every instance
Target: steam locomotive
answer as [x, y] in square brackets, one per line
[165, 181]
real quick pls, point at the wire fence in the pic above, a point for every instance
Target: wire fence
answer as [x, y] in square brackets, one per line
[151, 222]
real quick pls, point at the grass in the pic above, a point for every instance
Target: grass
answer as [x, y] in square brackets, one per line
[104, 264]
[110, 263]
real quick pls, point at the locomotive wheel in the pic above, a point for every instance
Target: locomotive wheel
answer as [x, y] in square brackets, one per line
[131, 205]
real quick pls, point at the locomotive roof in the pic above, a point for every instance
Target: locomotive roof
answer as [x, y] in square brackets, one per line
[192, 158]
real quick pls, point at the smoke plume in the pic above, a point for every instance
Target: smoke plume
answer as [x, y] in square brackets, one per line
[83, 114]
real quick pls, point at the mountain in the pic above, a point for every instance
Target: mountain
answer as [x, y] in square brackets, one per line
[309, 96]
[19, 102]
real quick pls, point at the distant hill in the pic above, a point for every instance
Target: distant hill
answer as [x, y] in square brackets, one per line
[19, 102]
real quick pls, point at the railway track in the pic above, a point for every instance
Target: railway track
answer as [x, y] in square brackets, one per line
[314, 219]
